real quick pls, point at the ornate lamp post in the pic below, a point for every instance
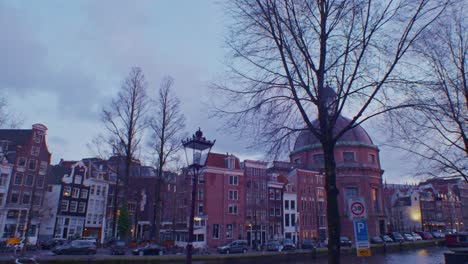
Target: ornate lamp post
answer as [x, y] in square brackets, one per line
[196, 150]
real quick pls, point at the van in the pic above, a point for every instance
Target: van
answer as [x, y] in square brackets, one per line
[236, 246]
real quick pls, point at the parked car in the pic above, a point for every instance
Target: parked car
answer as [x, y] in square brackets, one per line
[76, 247]
[309, 243]
[376, 240]
[288, 245]
[110, 241]
[52, 243]
[425, 235]
[150, 249]
[438, 235]
[396, 237]
[236, 246]
[118, 248]
[387, 239]
[408, 237]
[345, 241]
[274, 245]
[416, 236]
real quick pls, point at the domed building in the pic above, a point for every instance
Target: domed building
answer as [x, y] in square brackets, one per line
[357, 169]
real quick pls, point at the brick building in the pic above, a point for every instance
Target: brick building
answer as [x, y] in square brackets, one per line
[26, 150]
[358, 172]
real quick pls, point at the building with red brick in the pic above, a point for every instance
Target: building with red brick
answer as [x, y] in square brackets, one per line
[27, 151]
[357, 168]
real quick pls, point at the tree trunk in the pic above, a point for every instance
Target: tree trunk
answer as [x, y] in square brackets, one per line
[333, 215]
[157, 209]
[29, 220]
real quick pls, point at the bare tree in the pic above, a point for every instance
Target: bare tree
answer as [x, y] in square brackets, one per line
[8, 118]
[167, 124]
[125, 117]
[125, 122]
[437, 129]
[293, 61]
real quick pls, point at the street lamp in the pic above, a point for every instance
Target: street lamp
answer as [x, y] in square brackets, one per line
[196, 150]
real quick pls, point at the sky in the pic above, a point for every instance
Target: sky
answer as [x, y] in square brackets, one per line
[63, 62]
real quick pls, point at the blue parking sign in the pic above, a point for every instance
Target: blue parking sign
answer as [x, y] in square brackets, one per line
[360, 230]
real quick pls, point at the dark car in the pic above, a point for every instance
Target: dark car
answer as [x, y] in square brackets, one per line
[387, 239]
[288, 245]
[150, 249]
[309, 243]
[76, 247]
[376, 240]
[396, 237]
[111, 241]
[438, 235]
[52, 243]
[425, 235]
[236, 246]
[274, 245]
[118, 248]
[345, 241]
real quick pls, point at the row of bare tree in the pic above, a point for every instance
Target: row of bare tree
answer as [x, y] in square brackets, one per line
[132, 113]
[300, 65]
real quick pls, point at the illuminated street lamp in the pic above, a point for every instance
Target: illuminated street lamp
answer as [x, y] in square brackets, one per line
[196, 150]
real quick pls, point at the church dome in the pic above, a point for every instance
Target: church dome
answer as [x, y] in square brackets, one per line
[357, 136]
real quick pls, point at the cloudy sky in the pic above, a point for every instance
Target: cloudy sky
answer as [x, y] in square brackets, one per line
[63, 61]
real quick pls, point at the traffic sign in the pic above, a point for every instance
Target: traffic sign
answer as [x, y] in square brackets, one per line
[357, 208]
[362, 238]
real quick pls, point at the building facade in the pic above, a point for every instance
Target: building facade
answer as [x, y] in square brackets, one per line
[358, 172]
[26, 150]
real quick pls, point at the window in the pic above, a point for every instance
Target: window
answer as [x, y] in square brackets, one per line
[293, 205]
[2, 197]
[318, 158]
[84, 193]
[38, 136]
[376, 199]
[78, 179]
[215, 230]
[29, 180]
[371, 158]
[76, 193]
[348, 156]
[286, 204]
[22, 162]
[104, 191]
[293, 219]
[37, 199]
[81, 207]
[200, 194]
[40, 181]
[297, 161]
[92, 189]
[98, 190]
[19, 178]
[320, 193]
[3, 179]
[200, 208]
[35, 151]
[233, 208]
[64, 206]
[26, 197]
[66, 190]
[43, 166]
[14, 198]
[233, 180]
[233, 195]
[230, 162]
[286, 219]
[73, 206]
[32, 164]
[229, 231]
